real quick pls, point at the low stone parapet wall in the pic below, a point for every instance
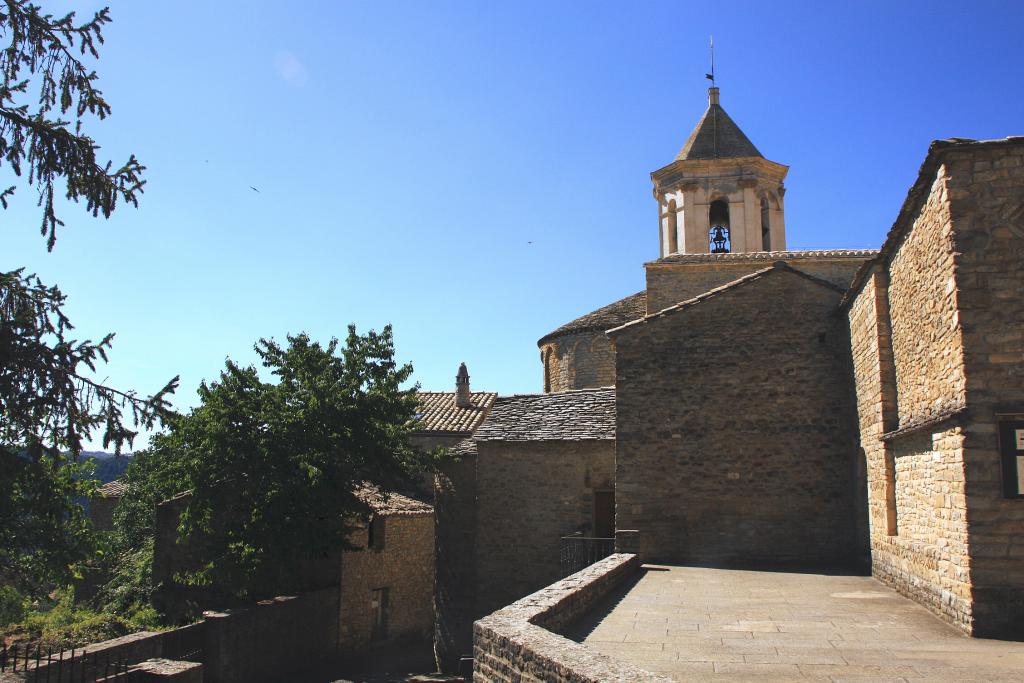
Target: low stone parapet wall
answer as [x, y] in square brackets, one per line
[521, 642]
[267, 641]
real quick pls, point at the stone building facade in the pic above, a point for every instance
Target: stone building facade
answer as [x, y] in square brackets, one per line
[826, 408]
[734, 433]
[387, 586]
[540, 467]
[101, 507]
[937, 331]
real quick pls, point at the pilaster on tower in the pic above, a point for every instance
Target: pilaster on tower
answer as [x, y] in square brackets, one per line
[720, 194]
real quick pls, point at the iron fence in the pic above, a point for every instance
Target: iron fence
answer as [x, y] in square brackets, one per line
[184, 644]
[577, 552]
[44, 665]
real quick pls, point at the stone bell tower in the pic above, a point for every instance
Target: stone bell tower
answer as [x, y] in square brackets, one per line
[720, 195]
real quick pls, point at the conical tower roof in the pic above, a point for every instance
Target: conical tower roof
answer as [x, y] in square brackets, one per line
[716, 136]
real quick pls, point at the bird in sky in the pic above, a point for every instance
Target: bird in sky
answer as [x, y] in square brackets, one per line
[253, 188]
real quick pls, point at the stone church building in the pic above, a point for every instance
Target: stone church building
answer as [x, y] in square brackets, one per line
[760, 407]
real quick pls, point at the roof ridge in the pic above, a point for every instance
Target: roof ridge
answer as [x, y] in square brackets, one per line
[916, 195]
[438, 391]
[764, 256]
[585, 390]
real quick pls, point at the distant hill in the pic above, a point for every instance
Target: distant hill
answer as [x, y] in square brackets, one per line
[108, 466]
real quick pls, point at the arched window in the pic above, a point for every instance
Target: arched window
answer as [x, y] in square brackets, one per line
[766, 232]
[718, 219]
[546, 359]
[672, 223]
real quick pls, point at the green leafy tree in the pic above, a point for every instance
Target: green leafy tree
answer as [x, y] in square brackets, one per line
[49, 403]
[49, 406]
[274, 469]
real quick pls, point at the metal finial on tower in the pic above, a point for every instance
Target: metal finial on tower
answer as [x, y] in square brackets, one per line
[711, 76]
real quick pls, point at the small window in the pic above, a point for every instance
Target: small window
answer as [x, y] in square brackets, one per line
[375, 533]
[379, 613]
[1011, 448]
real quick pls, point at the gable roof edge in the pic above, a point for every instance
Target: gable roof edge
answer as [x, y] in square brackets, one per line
[778, 266]
[916, 196]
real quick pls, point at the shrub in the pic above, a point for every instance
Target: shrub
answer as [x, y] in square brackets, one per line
[12, 606]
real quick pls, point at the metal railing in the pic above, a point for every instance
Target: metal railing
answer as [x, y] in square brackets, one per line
[184, 643]
[578, 552]
[61, 666]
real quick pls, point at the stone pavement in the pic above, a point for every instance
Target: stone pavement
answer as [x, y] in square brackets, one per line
[695, 623]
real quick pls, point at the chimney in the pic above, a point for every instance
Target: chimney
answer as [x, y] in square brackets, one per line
[712, 95]
[462, 399]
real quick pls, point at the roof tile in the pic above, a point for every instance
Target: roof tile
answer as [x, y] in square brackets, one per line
[438, 412]
[622, 311]
[112, 489]
[392, 503]
[717, 137]
[580, 415]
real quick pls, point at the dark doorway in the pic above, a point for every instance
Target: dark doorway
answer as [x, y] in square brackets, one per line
[379, 611]
[604, 514]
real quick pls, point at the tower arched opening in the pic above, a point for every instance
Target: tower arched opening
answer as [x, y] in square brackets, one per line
[718, 218]
[672, 225]
[766, 231]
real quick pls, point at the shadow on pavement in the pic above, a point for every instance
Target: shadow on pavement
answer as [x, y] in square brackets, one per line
[406, 663]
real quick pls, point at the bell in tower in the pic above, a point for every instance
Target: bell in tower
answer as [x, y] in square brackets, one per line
[720, 195]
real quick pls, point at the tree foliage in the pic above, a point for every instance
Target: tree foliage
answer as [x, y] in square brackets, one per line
[49, 405]
[274, 468]
[47, 93]
[49, 402]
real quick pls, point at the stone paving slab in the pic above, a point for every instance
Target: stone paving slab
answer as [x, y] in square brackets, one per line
[702, 624]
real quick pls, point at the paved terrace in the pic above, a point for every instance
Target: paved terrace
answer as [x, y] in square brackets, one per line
[693, 623]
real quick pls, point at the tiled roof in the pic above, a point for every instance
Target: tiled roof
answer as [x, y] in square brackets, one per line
[717, 137]
[769, 256]
[612, 315]
[777, 267]
[581, 415]
[393, 503]
[438, 412]
[113, 489]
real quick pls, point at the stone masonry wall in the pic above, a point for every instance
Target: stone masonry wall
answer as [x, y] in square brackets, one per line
[521, 641]
[907, 350]
[926, 342]
[875, 390]
[405, 566]
[578, 361]
[734, 419]
[270, 640]
[986, 191]
[671, 283]
[529, 495]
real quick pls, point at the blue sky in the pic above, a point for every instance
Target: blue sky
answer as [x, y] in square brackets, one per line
[475, 173]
